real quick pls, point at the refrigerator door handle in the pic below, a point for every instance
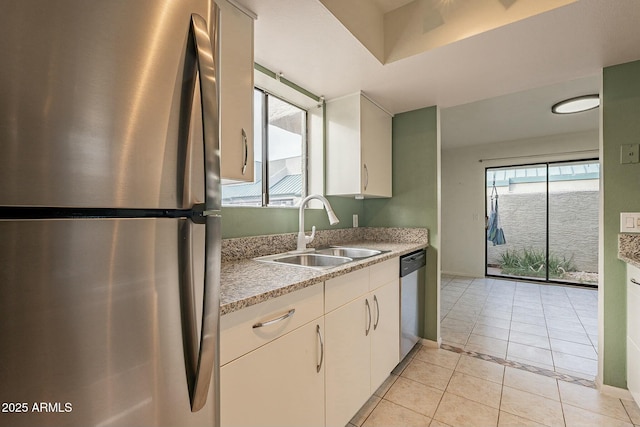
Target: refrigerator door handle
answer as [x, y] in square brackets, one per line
[207, 364]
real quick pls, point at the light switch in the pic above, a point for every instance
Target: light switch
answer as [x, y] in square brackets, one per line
[630, 222]
[629, 153]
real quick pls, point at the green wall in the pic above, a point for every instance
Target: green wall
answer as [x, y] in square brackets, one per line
[415, 195]
[242, 222]
[621, 193]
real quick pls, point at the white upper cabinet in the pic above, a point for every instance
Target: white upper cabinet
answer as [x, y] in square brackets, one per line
[358, 148]
[236, 93]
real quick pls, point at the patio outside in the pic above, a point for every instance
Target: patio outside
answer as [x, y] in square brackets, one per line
[571, 223]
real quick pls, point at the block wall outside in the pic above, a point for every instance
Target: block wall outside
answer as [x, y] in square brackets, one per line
[573, 225]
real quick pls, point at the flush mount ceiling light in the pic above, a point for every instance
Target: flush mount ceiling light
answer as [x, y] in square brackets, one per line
[576, 105]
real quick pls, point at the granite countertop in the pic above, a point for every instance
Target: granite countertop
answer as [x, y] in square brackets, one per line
[629, 248]
[245, 282]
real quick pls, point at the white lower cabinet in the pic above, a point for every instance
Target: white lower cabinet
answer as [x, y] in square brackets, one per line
[363, 340]
[278, 384]
[633, 332]
[272, 357]
[305, 369]
[348, 352]
[385, 344]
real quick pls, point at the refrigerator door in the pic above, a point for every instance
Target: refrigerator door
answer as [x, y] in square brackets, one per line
[92, 320]
[92, 102]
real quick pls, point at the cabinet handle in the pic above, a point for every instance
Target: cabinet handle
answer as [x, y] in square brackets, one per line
[366, 302]
[635, 282]
[246, 151]
[375, 325]
[276, 320]
[319, 365]
[366, 177]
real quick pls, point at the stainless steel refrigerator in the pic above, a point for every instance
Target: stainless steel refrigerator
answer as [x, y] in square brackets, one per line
[109, 213]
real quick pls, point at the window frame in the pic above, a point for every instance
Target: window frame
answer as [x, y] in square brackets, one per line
[266, 196]
[261, 128]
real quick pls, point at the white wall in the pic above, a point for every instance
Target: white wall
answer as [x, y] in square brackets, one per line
[463, 206]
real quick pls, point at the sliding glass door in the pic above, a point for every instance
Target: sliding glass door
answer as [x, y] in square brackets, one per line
[542, 222]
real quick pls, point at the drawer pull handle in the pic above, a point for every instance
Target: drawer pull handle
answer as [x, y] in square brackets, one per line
[319, 365]
[276, 320]
[635, 282]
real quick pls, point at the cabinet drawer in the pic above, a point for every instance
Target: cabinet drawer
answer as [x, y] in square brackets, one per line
[342, 289]
[384, 272]
[238, 335]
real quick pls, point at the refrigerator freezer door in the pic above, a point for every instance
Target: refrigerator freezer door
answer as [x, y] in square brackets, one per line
[91, 322]
[92, 99]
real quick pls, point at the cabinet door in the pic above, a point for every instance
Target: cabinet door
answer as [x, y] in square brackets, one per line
[633, 332]
[278, 384]
[343, 153]
[376, 150]
[236, 93]
[348, 361]
[385, 336]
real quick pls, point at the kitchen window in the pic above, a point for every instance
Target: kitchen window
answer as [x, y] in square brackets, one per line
[280, 156]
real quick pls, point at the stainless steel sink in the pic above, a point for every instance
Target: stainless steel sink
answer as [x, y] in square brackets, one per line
[354, 253]
[313, 260]
[321, 258]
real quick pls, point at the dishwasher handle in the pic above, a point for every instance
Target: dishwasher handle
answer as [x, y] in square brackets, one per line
[412, 262]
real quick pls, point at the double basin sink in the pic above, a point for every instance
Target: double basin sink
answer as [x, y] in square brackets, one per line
[322, 258]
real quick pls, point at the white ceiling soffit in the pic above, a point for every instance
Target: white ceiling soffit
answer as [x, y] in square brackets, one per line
[393, 33]
[303, 40]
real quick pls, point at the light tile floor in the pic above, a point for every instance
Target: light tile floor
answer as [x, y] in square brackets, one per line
[437, 387]
[551, 327]
[495, 332]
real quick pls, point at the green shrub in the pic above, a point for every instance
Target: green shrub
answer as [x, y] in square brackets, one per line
[532, 263]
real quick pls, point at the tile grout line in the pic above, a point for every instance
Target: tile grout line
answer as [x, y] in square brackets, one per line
[582, 324]
[411, 355]
[433, 418]
[504, 373]
[513, 302]
[546, 326]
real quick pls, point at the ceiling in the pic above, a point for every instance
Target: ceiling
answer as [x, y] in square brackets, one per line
[500, 79]
[389, 5]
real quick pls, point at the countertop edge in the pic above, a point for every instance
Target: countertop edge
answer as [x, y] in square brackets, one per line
[305, 277]
[628, 260]
[629, 248]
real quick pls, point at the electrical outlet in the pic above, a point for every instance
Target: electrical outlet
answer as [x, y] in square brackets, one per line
[629, 153]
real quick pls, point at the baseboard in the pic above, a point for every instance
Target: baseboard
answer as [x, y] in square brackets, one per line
[618, 393]
[458, 274]
[431, 344]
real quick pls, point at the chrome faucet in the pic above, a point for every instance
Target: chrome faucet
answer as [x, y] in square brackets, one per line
[304, 239]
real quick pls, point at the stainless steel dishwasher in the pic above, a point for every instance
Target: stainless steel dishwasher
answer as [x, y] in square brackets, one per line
[412, 278]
